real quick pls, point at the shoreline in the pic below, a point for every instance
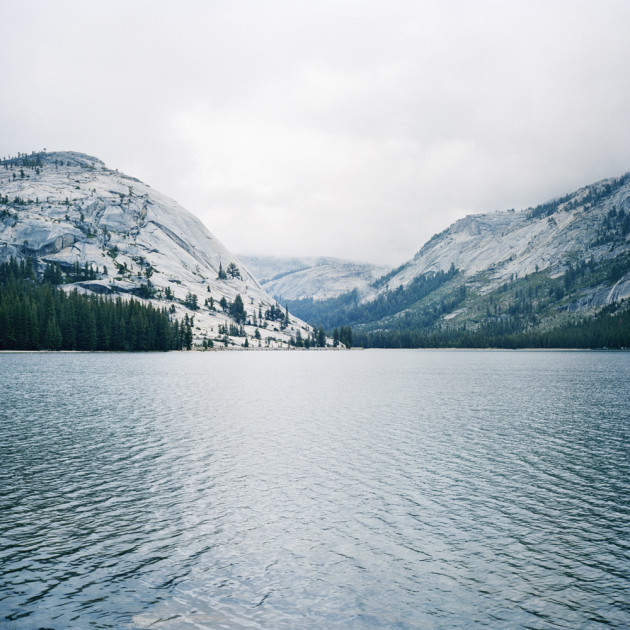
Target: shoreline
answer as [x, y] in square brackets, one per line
[241, 349]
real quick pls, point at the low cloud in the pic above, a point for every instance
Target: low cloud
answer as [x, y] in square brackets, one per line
[354, 129]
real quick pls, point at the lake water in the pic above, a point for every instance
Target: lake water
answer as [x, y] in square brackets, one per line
[368, 489]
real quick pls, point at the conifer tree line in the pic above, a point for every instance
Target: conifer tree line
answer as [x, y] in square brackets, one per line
[36, 315]
[610, 328]
[315, 340]
[533, 311]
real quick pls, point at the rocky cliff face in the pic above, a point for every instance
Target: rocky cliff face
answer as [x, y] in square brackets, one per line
[68, 208]
[317, 278]
[491, 249]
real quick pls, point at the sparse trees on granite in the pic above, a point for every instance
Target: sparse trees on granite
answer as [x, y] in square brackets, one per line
[146, 291]
[275, 313]
[237, 310]
[233, 271]
[191, 301]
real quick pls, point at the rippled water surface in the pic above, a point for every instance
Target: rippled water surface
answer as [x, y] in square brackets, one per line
[399, 489]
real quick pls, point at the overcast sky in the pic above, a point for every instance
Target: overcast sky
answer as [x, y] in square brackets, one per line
[351, 129]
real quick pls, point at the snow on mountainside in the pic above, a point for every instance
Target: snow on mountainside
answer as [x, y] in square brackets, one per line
[500, 246]
[66, 208]
[317, 278]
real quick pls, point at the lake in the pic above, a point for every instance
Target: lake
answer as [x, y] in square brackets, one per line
[367, 489]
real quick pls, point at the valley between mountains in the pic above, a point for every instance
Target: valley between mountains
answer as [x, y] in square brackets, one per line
[554, 275]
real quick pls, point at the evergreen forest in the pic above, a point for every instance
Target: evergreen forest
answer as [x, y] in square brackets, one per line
[610, 329]
[444, 309]
[348, 309]
[37, 315]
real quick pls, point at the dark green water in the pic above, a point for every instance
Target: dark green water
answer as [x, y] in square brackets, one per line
[398, 489]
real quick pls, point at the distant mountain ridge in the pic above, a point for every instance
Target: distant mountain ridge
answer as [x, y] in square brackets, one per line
[317, 278]
[67, 209]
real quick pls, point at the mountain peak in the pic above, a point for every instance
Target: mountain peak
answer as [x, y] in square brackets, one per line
[55, 158]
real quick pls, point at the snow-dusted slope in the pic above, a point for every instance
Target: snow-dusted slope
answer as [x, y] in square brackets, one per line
[67, 207]
[500, 246]
[489, 249]
[317, 278]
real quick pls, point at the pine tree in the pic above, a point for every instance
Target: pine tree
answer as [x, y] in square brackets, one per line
[321, 337]
[285, 321]
[188, 337]
[233, 271]
[237, 309]
[191, 301]
[52, 339]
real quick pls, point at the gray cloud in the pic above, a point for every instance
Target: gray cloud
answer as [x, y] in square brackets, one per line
[354, 129]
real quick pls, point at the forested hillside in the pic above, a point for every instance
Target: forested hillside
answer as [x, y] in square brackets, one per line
[37, 315]
[105, 233]
[557, 275]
